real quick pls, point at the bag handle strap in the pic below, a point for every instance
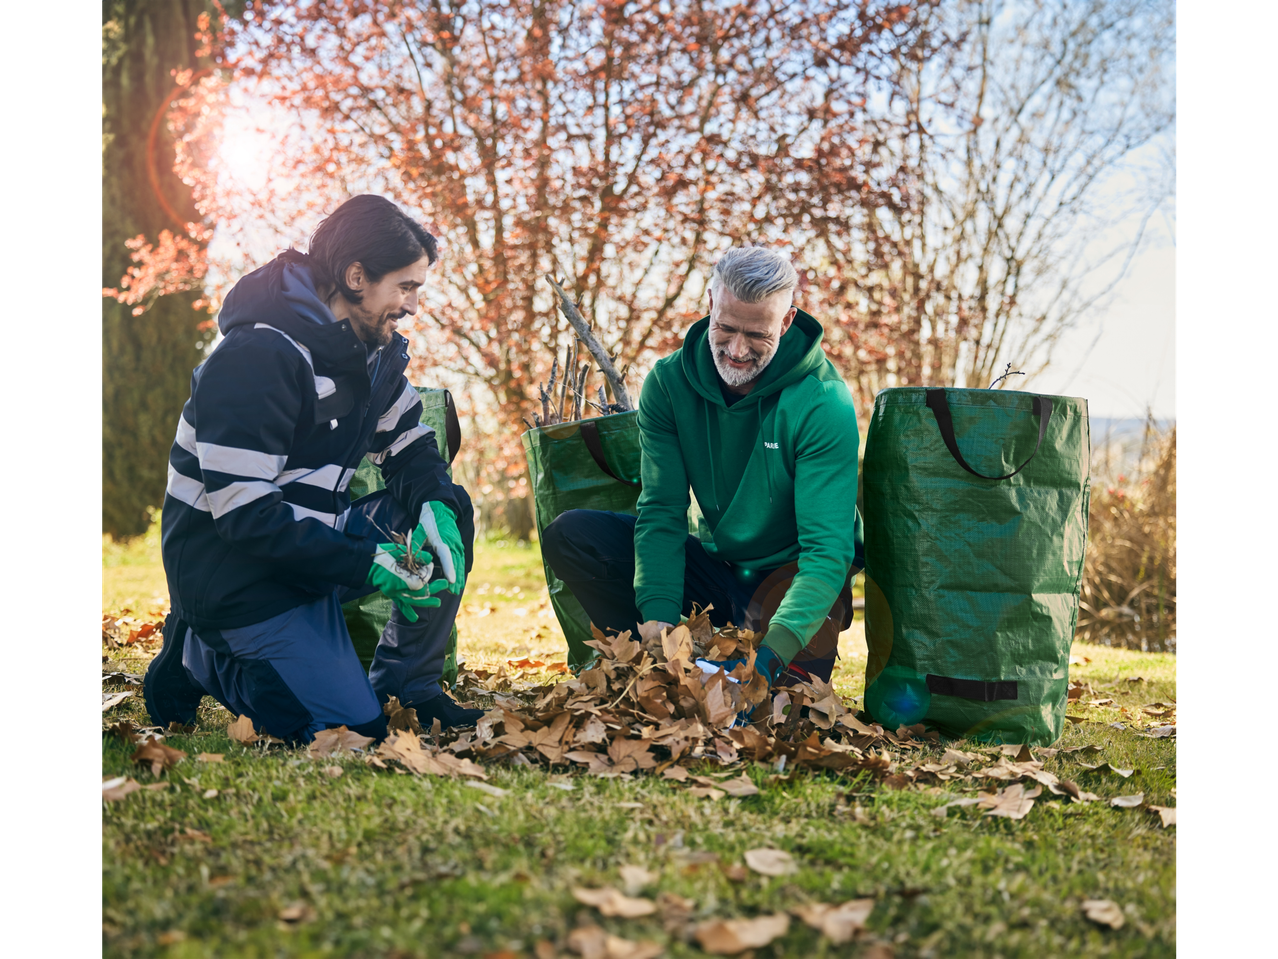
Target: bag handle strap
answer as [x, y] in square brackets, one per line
[940, 407]
[982, 692]
[590, 436]
[452, 427]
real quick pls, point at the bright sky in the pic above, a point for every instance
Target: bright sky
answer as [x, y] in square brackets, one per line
[1123, 359]
[1120, 357]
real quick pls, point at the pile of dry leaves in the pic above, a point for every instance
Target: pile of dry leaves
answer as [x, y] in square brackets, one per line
[645, 704]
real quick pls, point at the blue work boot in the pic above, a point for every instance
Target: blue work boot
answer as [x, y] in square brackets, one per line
[444, 708]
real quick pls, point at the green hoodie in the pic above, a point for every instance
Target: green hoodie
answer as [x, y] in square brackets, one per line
[774, 475]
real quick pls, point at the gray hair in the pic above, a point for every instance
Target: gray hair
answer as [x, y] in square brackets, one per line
[753, 272]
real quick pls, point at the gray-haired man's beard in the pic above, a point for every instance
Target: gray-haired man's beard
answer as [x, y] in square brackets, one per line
[735, 377]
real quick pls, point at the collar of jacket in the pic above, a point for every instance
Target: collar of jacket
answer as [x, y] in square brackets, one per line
[337, 352]
[798, 353]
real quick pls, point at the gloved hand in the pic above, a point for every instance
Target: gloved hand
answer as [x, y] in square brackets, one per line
[403, 588]
[766, 663]
[438, 527]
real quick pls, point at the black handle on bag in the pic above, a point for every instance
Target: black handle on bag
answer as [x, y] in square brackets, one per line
[590, 436]
[975, 689]
[452, 427]
[940, 408]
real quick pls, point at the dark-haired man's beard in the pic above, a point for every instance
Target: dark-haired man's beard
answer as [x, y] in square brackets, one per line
[375, 329]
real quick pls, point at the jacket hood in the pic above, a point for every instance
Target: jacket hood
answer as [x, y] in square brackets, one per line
[798, 354]
[281, 294]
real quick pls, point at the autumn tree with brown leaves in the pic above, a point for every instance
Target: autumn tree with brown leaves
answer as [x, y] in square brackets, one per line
[932, 167]
[617, 145]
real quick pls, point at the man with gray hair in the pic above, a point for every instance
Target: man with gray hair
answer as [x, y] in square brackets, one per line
[752, 417]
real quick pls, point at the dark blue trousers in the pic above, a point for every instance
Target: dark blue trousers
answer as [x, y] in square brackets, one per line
[297, 673]
[593, 552]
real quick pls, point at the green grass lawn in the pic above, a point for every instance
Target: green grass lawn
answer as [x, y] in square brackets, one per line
[380, 864]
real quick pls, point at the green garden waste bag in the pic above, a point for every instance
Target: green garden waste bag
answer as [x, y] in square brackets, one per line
[367, 617]
[975, 527]
[583, 464]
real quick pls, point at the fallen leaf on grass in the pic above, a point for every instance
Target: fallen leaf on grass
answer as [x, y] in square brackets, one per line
[1020, 753]
[332, 771]
[677, 773]
[113, 699]
[495, 791]
[837, 923]
[209, 758]
[634, 878]
[727, 937]
[1077, 659]
[878, 950]
[242, 731]
[610, 902]
[770, 862]
[675, 910]
[557, 667]
[297, 913]
[617, 948]
[1127, 802]
[592, 942]
[739, 787]
[1103, 912]
[706, 792]
[332, 742]
[1166, 813]
[160, 756]
[1089, 748]
[1107, 768]
[942, 811]
[397, 717]
[1077, 794]
[1158, 732]
[589, 942]
[113, 790]
[1014, 802]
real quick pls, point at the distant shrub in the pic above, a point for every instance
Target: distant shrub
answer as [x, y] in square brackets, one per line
[1129, 577]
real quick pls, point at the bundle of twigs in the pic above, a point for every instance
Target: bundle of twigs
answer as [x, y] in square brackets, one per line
[565, 397]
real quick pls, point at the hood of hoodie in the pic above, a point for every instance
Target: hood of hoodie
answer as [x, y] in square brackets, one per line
[798, 354]
[281, 295]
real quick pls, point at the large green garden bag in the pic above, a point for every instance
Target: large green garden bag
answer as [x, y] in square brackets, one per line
[583, 464]
[975, 526]
[367, 617]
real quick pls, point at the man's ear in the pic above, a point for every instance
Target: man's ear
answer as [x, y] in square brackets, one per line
[355, 276]
[710, 296]
[788, 319]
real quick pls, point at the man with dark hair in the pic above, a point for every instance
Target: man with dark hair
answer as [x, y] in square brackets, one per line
[261, 541]
[752, 417]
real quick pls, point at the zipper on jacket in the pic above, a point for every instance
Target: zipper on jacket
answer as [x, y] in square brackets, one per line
[372, 388]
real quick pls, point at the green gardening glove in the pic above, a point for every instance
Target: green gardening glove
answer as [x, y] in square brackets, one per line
[439, 527]
[403, 588]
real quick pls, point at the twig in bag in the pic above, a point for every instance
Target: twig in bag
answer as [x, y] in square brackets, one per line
[606, 366]
[1006, 373]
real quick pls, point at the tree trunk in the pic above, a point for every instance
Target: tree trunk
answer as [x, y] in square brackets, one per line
[146, 360]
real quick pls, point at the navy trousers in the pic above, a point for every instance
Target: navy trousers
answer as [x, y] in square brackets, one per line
[297, 673]
[593, 552]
